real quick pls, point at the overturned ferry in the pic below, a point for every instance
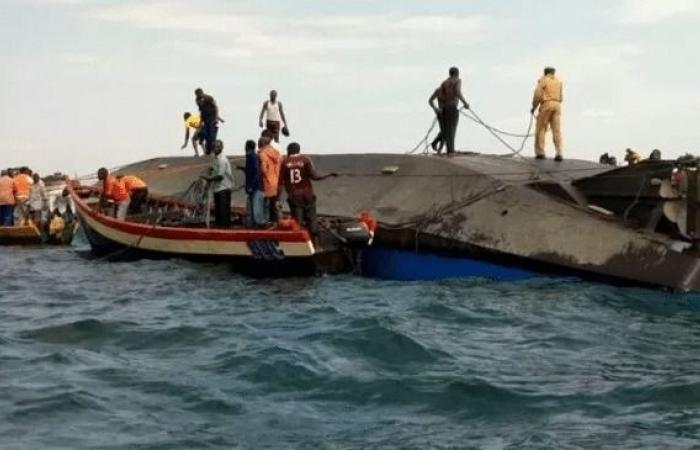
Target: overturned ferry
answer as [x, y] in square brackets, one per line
[502, 218]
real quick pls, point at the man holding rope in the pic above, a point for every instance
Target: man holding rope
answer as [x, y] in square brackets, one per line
[448, 95]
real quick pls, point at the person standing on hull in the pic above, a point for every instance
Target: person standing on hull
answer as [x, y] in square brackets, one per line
[209, 115]
[114, 190]
[275, 120]
[193, 122]
[549, 93]
[7, 199]
[270, 162]
[221, 179]
[448, 95]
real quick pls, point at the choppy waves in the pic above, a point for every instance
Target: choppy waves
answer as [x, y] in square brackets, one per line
[171, 354]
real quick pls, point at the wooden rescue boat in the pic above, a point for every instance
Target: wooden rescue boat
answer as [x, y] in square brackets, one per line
[170, 228]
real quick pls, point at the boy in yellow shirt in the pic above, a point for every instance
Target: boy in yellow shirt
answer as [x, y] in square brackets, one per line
[193, 122]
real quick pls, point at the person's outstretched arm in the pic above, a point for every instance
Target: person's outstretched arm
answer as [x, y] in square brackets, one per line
[431, 101]
[187, 138]
[316, 176]
[461, 97]
[262, 114]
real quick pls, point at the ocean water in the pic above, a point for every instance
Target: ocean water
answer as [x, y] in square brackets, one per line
[180, 355]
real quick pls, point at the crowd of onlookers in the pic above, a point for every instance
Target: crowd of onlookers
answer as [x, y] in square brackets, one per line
[631, 157]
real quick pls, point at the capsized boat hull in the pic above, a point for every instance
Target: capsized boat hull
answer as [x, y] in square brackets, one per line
[476, 205]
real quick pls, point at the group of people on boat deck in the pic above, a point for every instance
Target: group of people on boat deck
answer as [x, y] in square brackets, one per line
[127, 193]
[24, 201]
[22, 197]
[267, 174]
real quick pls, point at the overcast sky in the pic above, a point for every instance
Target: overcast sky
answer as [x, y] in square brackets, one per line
[87, 83]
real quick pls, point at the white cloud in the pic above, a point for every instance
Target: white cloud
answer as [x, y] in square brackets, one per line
[644, 12]
[596, 113]
[246, 34]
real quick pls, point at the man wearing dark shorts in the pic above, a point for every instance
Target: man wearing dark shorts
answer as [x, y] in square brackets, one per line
[274, 112]
[296, 174]
[448, 95]
[209, 114]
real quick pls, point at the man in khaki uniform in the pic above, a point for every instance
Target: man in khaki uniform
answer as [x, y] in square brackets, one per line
[548, 97]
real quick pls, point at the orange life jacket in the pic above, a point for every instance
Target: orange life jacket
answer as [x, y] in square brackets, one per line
[133, 182]
[23, 186]
[115, 189]
[7, 191]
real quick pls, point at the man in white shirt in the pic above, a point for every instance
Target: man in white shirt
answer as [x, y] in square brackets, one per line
[221, 180]
[274, 113]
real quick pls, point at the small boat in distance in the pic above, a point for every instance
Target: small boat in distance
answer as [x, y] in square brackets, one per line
[172, 228]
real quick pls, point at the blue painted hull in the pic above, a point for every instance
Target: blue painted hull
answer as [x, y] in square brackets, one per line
[395, 264]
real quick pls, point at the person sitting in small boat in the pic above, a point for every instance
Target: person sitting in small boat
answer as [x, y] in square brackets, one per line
[62, 205]
[56, 227]
[221, 180]
[138, 191]
[38, 201]
[114, 190]
[7, 199]
[253, 187]
[632, 157]
[296, 174]
[23, 189]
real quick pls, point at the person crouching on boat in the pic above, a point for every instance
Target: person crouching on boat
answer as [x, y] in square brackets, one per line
[114, 190]
[7, 199]
[253, 187]
[221, 181]
[296, 174]
[138, 191]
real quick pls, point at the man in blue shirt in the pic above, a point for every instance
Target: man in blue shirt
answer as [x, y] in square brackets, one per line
[253, 186]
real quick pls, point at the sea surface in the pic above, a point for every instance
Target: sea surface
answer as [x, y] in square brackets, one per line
[180, 355]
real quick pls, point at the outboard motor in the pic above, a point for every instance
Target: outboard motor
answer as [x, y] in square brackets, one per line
[355, 233]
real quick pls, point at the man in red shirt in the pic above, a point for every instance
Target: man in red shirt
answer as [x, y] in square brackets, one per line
[296, 174]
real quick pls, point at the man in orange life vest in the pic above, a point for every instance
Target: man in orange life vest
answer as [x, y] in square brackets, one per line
[114, 190]
[138, 191]
[7, 199]
[270, 162]
[296, 174]
[23, 189]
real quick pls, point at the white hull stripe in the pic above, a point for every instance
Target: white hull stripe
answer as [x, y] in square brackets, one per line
[191, 247]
